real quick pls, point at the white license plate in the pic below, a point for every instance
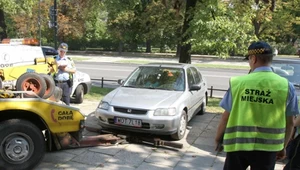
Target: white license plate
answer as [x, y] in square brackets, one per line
[128, 122]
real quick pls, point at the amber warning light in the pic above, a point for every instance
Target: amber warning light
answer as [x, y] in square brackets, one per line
[21, 41]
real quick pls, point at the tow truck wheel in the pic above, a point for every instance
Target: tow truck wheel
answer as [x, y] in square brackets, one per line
[22, 145]
[79, 94]
[181, 128]
[50, 85]
[31, 82]
[0, 83]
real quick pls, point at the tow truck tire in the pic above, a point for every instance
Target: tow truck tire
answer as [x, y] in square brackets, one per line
[0, 83]
[79, 94]
[31, 82]
[181, 130]
[22, 145]
[50, 86]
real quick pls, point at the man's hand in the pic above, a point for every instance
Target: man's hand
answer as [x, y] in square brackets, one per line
[281, 155]
[62, 68]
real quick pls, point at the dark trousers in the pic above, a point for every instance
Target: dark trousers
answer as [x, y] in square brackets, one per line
[257, 160]
[66, 90]
[294, 155]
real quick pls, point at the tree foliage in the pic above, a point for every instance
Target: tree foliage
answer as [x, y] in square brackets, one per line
[215, 27]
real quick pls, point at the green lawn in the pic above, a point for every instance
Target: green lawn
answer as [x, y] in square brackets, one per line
[97, 93]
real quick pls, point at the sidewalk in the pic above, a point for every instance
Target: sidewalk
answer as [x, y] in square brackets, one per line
[197, 154]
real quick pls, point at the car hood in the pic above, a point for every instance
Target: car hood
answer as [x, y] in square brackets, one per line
[142, 98]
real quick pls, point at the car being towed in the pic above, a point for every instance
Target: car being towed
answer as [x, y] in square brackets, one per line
[156, 98]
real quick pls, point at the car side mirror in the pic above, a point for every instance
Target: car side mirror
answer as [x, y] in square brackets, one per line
[195, 87]
[120, 81]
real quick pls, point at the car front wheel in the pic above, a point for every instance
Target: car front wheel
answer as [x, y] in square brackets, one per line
[181, 130]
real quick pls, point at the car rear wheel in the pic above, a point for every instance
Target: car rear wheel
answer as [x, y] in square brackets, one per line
[203, 105]
[22, 145]
[79, 92]
[181, 130]
[31, 82]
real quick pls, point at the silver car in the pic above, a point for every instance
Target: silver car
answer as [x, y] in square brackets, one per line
[156, 98]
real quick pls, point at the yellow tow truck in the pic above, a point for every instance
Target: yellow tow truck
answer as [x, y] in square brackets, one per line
[30, 126]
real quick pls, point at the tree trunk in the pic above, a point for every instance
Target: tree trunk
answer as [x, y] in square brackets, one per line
[178, 49]
[148, 46]
[120, 48]
[185, 52]
[256, 28]
[3, 33]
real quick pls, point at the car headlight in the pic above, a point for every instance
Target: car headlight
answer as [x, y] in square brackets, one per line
[165, 112]
[103, 105]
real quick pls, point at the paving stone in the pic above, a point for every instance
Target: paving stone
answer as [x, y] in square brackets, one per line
[161, 158]
[205, 141]
[77, 151]
[91, 158]
[190, 166]
[151, 166]
[199, 159]
[74, 166]
[108, 150]
[202, 149]
[110, 166]
[132, 156]
[58, 157]
[45, 166]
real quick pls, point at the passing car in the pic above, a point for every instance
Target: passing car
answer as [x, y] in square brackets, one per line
[156, 98]
[290, 69]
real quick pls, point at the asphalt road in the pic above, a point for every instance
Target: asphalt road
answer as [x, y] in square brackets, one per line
[218, 78]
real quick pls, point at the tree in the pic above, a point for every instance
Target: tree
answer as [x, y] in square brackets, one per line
[10, 7]
[185, 49]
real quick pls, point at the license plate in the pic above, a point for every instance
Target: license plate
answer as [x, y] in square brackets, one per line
[128, 122]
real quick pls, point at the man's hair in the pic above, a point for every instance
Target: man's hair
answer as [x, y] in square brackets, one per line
[264, 59]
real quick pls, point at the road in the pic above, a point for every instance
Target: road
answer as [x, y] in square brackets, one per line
[218, 78]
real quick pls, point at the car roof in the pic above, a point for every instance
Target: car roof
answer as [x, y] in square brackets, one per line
[171, 65]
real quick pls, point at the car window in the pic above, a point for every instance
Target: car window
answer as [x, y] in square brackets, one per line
[288, 70]
[197, 77]
[190, 77]
[157, 78]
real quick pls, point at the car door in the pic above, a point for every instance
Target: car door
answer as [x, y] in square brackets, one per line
[199, 95]
[192, 99]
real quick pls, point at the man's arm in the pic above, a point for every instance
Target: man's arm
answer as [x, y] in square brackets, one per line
[297, 121]
[222, 127]
[289, 129]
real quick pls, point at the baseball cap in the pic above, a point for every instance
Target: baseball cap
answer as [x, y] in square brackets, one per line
[63, 47]
[259, 48]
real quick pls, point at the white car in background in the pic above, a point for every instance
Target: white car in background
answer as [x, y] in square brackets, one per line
[81, 81]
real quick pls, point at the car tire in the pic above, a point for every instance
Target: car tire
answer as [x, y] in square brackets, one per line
[31, 82]
[203, 105]
[22, 145]
[79, 92]
[181, 130]
[50, 86]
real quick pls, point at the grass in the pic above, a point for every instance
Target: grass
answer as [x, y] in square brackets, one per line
[80, 58]
[213, 106]
[97, 93]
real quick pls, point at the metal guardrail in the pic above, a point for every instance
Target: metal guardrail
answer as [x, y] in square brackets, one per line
[212, 89]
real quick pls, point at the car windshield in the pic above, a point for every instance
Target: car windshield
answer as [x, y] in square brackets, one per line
[157, 78]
